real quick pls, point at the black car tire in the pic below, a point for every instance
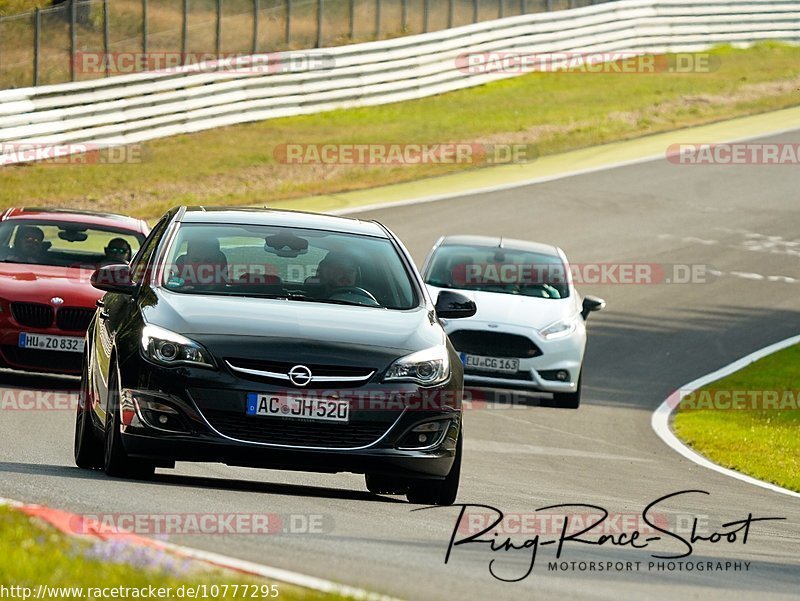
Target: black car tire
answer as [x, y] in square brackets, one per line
[439, 492]
[116, 462]
[386, 485]
[569, 400]
[88, 449]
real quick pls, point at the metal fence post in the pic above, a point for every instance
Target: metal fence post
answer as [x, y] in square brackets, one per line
[548, 5]
[404, 14]
[320, 8]
[476, 5]
[72, 18]
[37, 29]
[377, 19]
[352, 18]
[426, 14]
[184, 31]
[218, 33]
[105, 35]
[288, 22]
[502, 8]
[256, 11]
[144, 27]
[524, 7]
[450, 10]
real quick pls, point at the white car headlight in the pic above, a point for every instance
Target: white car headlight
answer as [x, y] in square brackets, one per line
[428, 367]
[560, 328]
[170, 348]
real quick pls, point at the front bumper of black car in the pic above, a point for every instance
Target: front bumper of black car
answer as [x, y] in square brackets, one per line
[192, 414]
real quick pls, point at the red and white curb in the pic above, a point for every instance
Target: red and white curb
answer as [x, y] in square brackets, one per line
[69, 523]
[662, 417]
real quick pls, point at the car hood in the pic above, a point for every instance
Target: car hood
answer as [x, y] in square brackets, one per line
[206, 317]
[513, 309]
[39, 283]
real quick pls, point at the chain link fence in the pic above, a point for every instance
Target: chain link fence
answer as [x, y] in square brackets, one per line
[85, 39]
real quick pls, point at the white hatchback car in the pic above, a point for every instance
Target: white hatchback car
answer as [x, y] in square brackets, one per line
[530, 329]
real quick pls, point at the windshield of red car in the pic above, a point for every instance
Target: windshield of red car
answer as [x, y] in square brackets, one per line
[66, 244]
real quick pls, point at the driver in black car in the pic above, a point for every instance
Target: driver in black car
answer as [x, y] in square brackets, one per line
[338, 270]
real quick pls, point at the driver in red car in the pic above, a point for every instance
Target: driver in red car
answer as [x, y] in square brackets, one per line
[28, 245]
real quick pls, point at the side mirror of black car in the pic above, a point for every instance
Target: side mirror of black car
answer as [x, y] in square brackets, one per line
[114, 278]
[452, 305]
[592, 303]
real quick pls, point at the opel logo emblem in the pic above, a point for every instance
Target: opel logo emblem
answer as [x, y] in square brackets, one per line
[300, 375]
[57, 300]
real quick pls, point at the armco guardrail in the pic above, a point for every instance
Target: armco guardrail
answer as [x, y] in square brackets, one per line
[144, 106]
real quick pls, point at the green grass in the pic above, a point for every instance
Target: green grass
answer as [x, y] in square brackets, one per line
[555, 112]
[35, 554]
[763, 443]
[13, 7]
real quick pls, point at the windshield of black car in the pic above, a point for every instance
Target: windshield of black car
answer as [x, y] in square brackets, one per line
[501, 270]
[65, 243]
[295, 264]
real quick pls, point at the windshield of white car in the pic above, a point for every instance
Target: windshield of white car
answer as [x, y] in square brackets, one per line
[501, 270]
[66, 243]
[288, 263]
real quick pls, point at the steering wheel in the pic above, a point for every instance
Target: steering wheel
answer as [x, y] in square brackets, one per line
[357, 291]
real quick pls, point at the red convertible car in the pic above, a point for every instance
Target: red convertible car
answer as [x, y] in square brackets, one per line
[47, 257]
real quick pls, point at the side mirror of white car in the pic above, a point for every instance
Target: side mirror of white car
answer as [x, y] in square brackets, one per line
[592, 303]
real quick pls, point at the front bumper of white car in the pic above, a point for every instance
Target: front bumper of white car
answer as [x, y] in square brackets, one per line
[537, 373]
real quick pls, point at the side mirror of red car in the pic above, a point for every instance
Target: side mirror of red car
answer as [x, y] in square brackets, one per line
[114, 278]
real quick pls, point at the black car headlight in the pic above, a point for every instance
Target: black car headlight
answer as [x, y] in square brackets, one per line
[169, 348]
[428, 367]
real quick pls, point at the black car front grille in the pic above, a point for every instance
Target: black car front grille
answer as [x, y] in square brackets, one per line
[290, 432]
[282, 367]
[493, 344]
[36, 359]
[74, 319]
[33, 315]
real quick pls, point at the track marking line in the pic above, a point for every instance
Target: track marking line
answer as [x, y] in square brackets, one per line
[662, 416]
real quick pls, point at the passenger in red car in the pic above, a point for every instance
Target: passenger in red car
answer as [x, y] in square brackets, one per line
[117, 251]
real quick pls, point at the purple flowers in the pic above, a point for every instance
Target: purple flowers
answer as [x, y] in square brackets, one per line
[123, 552]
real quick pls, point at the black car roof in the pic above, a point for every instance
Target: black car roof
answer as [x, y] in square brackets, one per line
[275, 217]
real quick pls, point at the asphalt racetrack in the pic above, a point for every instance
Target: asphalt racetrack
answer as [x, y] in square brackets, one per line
[739, 221]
